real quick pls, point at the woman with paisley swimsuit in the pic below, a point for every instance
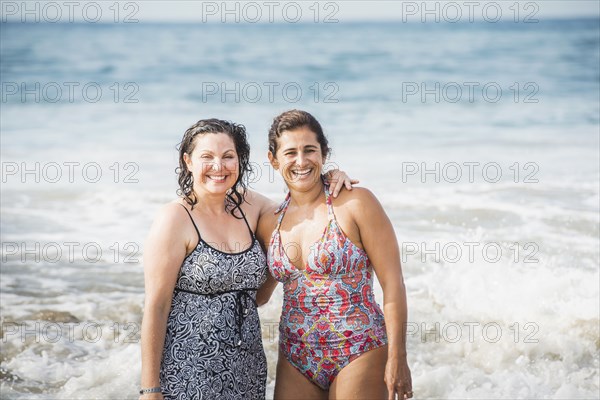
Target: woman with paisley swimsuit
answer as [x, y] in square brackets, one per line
[334, 342]
[203, 266]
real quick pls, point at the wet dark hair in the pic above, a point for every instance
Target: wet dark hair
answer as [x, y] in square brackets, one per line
[237, 133]
[294, 119]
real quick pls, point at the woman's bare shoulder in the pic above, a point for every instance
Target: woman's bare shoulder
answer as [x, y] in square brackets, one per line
[357, 197]
[171, 214]
[264, 204]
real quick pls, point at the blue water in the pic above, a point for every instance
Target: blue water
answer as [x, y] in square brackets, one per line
[359, 79]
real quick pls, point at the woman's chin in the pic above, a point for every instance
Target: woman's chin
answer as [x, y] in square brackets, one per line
[303, 183]
[216, 187]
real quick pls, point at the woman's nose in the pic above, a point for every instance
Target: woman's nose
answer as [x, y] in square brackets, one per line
[300, 159]
[217, 165]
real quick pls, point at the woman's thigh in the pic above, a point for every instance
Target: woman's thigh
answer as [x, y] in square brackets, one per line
[362, 378]
[290, 384]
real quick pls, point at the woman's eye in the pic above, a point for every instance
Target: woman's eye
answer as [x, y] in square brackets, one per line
[206, 157]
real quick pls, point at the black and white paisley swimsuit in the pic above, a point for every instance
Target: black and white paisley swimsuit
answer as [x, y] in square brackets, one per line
[213, 345]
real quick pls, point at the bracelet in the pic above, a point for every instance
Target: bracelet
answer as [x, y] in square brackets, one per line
[151, 390]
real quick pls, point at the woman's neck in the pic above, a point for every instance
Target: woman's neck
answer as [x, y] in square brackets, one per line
[210, 203]
[311, 196]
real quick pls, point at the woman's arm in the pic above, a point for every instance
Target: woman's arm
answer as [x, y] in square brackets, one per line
[266, 225]
[266, 290]
[264, 229]
[379, 240]
[337, 180]
[164, 252]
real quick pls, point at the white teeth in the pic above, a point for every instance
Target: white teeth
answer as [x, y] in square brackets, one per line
[217, 178]
[303, 172]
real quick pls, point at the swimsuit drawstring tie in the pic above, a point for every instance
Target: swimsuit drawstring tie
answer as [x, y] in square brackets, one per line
[242, 306]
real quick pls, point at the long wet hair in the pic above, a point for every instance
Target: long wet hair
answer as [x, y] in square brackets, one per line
[237, 132]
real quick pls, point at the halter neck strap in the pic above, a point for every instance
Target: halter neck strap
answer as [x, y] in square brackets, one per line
[329, 203]
[284, 206]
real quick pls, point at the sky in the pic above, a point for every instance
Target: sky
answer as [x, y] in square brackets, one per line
[303, 11]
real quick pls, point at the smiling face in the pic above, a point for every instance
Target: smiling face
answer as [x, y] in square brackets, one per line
[214, 163]
[299, 158]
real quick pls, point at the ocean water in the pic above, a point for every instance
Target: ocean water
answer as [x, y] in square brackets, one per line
[481, 141]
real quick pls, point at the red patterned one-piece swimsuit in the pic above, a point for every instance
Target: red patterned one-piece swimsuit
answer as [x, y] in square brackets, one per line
[329, 316]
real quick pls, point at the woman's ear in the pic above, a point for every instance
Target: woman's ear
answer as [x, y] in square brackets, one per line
[188, 161]
[273, 160]
[325, 155]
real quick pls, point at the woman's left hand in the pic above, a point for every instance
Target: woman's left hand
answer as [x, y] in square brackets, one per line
[338, 179]
[397, 379]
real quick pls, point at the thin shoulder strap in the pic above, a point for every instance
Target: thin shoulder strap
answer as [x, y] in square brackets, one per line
[191, 219]
[329, 203]
[238, 207]
[246, 221]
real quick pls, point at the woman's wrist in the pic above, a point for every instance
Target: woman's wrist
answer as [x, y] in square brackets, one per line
[147, 390]
[396, 355]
